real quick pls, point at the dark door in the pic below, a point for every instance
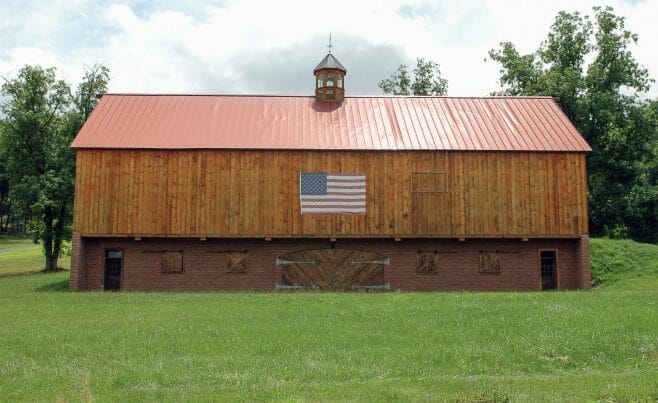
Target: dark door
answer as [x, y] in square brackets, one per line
[113, 263]
[548, 278]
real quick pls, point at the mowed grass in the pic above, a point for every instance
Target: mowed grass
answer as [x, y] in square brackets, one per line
[21, 255]
[10, 241]
[571, 346]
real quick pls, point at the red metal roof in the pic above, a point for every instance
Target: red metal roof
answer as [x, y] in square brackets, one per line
[358, 123]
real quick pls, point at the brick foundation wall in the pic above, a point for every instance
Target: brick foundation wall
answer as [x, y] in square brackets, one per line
[77, 263]
[584, 267]
[205, 266]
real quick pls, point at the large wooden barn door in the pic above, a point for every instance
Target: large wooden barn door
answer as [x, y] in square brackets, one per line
[333, 269]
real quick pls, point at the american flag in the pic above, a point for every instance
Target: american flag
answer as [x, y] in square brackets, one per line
[328, 193]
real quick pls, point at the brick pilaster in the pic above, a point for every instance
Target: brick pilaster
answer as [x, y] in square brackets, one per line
[77, 262]
[584, 268]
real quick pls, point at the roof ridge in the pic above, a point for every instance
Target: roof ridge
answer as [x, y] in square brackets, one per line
[143, 94]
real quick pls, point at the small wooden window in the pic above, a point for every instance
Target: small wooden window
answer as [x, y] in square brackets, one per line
[427, 263]
[490, 262]
[237, 262]
[429, 182]
[172, 262]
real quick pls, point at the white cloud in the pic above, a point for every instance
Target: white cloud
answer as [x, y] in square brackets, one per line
[265, 47]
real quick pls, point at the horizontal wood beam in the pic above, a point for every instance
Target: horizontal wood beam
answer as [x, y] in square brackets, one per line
[325, 236]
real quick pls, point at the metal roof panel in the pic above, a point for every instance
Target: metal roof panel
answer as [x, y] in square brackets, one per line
[358, 123]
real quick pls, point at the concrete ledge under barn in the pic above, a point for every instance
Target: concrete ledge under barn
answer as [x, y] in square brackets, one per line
[206, 265]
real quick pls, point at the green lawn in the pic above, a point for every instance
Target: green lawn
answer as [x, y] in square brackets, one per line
[9, 241]
[21, 255]
[624, 263]
[571, 346]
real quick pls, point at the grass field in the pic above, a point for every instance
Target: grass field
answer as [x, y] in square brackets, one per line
[624, 263]
[572, 346]
[9, 241]
[21, 255]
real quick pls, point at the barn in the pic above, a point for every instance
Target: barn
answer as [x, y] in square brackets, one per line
[330, 192]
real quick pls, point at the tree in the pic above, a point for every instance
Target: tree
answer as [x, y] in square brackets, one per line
[42, 117]
[427, 80]
[5, 202]
[602, 100]
[93, 86]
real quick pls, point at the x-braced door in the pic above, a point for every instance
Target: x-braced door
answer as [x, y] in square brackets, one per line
[333, 269]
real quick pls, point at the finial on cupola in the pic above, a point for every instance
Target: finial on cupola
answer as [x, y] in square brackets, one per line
[329, 78]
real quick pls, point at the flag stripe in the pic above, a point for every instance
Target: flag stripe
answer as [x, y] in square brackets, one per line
[335, 197]
[346, 184]
[334, 204]
[322, 210]
[345, 190]
[346, 177]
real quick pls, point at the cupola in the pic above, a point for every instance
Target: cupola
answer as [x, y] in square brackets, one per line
[329, 79]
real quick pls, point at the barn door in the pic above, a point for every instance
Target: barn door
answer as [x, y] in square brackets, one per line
[307, 269]
[333, 269]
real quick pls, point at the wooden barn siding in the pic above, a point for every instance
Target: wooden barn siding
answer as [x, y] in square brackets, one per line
[255, 193]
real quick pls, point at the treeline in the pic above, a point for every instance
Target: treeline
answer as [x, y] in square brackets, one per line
[40, 118]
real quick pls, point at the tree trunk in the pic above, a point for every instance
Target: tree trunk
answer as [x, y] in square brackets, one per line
[10, 220]
[59, 233]
[48, 217]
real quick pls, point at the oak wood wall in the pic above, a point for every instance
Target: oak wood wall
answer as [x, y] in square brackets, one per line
[215, 193]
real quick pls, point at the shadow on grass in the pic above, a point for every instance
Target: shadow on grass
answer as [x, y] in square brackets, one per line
[53, 286]
[57, 286]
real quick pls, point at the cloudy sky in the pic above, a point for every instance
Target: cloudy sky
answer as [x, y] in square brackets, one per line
[271, 47]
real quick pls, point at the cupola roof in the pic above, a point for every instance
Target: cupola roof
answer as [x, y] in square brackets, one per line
[329, 62]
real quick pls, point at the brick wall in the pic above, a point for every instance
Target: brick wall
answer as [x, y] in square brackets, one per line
[77, 264]
[205, 264]
[584, 268]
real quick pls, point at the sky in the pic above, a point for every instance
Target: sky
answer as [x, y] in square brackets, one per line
[271, 47]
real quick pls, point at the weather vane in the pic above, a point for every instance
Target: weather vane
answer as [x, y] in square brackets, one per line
[329, 46]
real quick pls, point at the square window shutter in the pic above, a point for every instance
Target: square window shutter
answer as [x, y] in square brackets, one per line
[489, 262]
[237, 262]
[172, 262]
[427, 263]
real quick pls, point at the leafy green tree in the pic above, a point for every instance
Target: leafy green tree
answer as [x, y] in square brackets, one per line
[42, 117]
[427, 80]
[36, 100]
[5, 202]
[89, 92]
[602, 99]
[519, 74]
[399, 83]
